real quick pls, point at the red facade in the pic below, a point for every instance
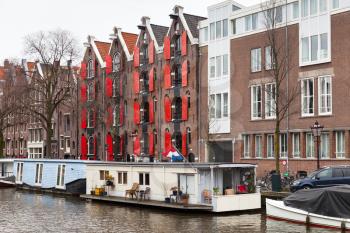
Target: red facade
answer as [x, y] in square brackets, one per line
[151, 52]
[167, 76]
[136, 56]
[184, 114]
[167, 141]
[108, 64]
[137, 146]
[151, 111]
[136, 82]
[184, 74]
[184, 43]
[167, 109]
[83, 146]
[83, 118]
[184, 144]
[109, 87]
[83, 93]
[109, 142]
[151, 143]
[166, 51]
[151, 80]
[136, 113]
[83, 70]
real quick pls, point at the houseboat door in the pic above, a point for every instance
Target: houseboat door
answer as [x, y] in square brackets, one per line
[186, 183]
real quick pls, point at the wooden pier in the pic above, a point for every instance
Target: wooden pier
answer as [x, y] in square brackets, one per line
[148, 203]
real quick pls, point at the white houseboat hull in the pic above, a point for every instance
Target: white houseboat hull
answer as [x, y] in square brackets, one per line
[277, 210]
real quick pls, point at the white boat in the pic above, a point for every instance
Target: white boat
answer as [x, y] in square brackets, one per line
[278, 210]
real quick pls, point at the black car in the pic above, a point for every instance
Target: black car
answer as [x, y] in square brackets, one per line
[324, 177]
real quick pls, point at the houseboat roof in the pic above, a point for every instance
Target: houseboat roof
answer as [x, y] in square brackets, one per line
[6, 160]
[54, 160]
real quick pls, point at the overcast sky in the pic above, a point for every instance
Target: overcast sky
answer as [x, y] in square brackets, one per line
[85, 17]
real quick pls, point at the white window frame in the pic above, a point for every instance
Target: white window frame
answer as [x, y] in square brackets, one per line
[268, 58]
[67, 144]
[258, 146]
[307, 96]
[38, 174]
[90, 68]
[255, 60]
[340, 144]
[62, 142]
[270, 146]
[322, 56]
[19, 174]
[324, 96]
[283, 145]
[122, 175]
[144, 178]
[212, 68]
[309, 138]
[60, 176]
[296, 145]
[255, 103]
[270, 101]
[246, 146]
[324, 146]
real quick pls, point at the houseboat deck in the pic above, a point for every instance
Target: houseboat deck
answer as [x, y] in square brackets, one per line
[148, 203]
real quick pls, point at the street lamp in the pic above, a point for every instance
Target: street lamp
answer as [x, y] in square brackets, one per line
[316, 132]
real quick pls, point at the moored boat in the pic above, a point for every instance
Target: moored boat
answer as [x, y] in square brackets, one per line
[326, 207]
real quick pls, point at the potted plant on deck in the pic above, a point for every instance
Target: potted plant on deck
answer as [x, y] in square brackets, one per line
[109, 180]
[184, 198]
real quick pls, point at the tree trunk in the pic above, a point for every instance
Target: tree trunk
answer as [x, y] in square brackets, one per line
[277, 146]
[49, 134]
[2, 144]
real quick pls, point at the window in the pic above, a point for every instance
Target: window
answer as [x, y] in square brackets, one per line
[218, 30]
[90, 69]
[309, 145]
[270, 100]
[218, 106]
[60, 175]
[212, 31]
[258, 141]
[335, 4]
[115, 116]
[305, 49]
[254, 21]
[307, 98]
[122, 178]
[295, 10]
[255, 59]
[256, 102]
[313, 7]
[224, 28]
[340, 144]
[91, 146]
[246, 145]
[90, 91]
[324, 150]
[62, 142]
[233, 26]
[279, 14]
[268, 58]
[103, 174]
[225, 64]
[116, 61]
[66, 122]
[283, 145]
[325, 95]
[91, 119]
[304, 8]
[323, 5]
[38, 173]
[218, 66]
[144, 178]
[19, 176]
[115, 87]
[67, 145]
[270, 146]
[324, 46]
[314, 48]
[203, 34]
[212, 106]
[225, 112]
[296, 145]
[248, 23]
[212, 67]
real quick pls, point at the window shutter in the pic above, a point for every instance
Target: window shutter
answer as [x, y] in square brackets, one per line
[151, 111]
[137, 146]
[83, 70]
[184, 108]
[109, 87]
[184, 43]
[83, 118]
[167, 141]
[136, 83]
[109, 140]
[166, 49]
[83, 93]
[83, 146]
[151, 52]
[184, 145]
[136, 113]
[108, 64]
[184, 70]
[167, 78]
[167, 109]
[121, 114]
[151, 80]
[136, 56]
[151, 143]
[95, 147]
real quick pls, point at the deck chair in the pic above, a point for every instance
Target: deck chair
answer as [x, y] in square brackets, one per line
[206, 196]
[132, 192]
[145, 193]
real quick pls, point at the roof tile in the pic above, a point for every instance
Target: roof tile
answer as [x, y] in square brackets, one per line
[103, 48]
[130, 40]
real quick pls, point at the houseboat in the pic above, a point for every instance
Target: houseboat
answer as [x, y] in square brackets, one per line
[60, 176]
[215, 187]
[6, 173]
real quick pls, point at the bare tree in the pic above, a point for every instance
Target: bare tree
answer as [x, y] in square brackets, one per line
[282, 94]
[51, 83]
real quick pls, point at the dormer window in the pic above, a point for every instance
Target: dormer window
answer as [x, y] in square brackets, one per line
[116, 62]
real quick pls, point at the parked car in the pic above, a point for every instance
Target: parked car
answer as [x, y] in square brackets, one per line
[324, 177]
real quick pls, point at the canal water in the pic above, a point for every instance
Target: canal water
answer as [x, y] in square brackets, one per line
[22, 211]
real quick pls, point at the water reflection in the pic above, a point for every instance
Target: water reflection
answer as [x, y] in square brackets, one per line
[28, 212]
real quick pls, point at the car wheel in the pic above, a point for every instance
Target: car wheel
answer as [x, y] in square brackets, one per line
[306, 187]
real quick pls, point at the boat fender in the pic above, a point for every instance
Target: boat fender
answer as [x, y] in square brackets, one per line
[342, 226]
[307, 220]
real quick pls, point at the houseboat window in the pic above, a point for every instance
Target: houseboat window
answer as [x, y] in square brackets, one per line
[19, 172]
[122, 177]
[39, 173]
[103, 174]
[144, 178]
[60, 175]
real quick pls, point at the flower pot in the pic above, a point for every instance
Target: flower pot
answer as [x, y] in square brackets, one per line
[167, 200]
[92, 192]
